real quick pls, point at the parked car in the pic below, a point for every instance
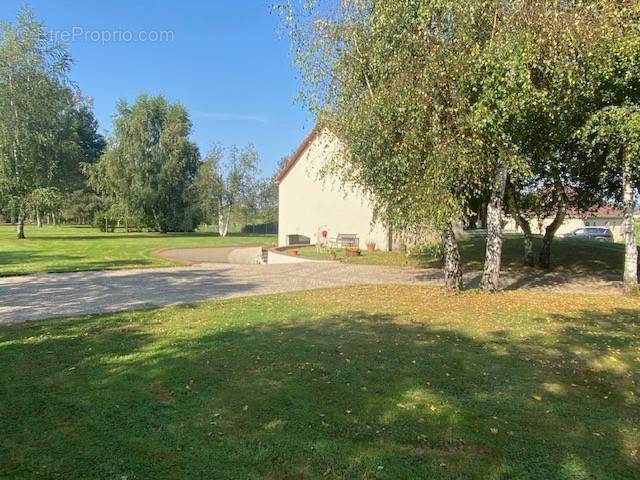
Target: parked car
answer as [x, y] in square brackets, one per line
[602, 234]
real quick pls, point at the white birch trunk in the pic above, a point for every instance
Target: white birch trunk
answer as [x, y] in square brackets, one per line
[452, 267]
[491, 272]
[222, 230]
[629, 225]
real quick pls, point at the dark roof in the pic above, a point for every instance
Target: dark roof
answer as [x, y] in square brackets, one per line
[605, 211]
[295, 156]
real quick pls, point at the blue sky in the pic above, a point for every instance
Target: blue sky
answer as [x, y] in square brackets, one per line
[225, 60]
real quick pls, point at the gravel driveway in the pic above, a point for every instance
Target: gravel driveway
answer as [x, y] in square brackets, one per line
[36, 297]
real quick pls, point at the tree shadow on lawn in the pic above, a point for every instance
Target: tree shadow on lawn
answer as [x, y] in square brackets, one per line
[353, 395]
[568, 256]
[38, 263]
[82, 292]
[30, 256]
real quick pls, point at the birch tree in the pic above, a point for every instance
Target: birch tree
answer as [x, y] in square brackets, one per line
[34, 95]
[612, 138]
[390, 79]
[150, 165]
[225, 188]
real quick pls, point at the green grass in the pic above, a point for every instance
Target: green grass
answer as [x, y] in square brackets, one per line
[71, 248]
[368, 382]
[568, 255]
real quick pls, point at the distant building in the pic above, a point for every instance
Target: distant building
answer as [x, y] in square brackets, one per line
[604, 216]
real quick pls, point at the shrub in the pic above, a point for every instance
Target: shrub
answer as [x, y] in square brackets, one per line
[104, 223]
[432, 250]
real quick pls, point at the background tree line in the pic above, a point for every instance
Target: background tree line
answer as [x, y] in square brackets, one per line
[530, 107]
[55, 166]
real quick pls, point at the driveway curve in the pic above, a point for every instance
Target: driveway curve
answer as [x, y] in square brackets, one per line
[37, 297]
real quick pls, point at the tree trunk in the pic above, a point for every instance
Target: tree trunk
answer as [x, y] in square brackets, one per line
[631, 248]
[524, 225]
[545, 253]
[38, 219]
[20, 226]
[452, 267]
[491, 273]
[528, 247]
[222, 230]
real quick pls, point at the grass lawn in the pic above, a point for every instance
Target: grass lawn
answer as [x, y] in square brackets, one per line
[368, 382]
[74, 248]
[568, 255]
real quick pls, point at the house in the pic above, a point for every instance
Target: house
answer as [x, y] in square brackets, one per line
[310, 204]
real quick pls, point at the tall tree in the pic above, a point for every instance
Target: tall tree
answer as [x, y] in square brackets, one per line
[396, 81]
[569, 44]
[34, 96]
[612, 137]
[431, 98]
[150, 165]
[227, 189]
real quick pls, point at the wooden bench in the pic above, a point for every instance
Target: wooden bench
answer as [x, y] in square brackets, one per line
[345, 240]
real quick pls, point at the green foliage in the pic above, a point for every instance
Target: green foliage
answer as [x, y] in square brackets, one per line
[231, 190]
[80, 206]
[47, 130]
[150, 165]
[432, 99]
[409, 89]
[432, 250]
[34, 131]
[104, 222]
[44, 199]
[611, 139]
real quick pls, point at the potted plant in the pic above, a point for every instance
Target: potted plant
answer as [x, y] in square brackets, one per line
[371, 246]
[332, 255]
[352, 251]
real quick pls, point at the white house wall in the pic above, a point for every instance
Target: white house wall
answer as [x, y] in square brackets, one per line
[308, 204]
